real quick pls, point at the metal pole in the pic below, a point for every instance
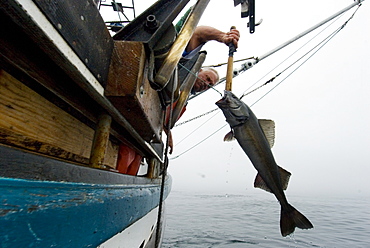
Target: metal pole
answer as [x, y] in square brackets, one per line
[186, 88]
[308, 31]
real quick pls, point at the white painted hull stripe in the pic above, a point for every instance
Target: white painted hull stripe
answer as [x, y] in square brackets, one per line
[134, 235]
[34, 12]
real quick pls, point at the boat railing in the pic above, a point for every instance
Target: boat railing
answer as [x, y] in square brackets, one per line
[98, 88]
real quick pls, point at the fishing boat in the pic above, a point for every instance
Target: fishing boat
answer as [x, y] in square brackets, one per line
[82, 148]
[83, 152]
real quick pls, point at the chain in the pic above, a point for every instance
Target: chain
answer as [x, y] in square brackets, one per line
[192, 119]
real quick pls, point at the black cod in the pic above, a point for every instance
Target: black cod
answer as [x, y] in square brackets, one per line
[249, 132]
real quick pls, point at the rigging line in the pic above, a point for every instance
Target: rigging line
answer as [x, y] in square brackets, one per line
[196, 117]
[235, 61]
[331, 36]
[209, 85]
[304, 55]
[199, 142]
[328, 37]
[269, 81]
[259, 87]
[298, 66]
[199, 126]
[198, 93]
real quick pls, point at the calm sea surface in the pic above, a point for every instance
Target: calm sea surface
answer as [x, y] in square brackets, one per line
[252, 220]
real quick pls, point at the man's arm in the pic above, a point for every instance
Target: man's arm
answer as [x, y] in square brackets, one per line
[203, 34]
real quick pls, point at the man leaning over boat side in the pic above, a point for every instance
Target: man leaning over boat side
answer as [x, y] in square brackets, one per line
[129, 161]
[207, 77]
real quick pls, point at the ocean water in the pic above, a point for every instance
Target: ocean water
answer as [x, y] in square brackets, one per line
[252, 220]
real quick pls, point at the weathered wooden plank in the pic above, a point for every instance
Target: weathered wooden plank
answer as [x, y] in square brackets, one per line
[130, 92]
[29, 121]
[26, 61]
[14, 139]
[20, 164]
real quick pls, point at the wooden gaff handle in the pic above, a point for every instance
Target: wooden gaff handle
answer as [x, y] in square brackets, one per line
[230, 62]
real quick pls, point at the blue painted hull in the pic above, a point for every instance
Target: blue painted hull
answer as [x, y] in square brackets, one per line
[64, 214]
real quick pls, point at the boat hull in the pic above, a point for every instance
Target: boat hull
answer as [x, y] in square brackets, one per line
[46, 213]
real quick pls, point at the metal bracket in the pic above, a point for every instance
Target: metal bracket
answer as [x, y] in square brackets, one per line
[149, 26]
[248, 9]
[252, 22]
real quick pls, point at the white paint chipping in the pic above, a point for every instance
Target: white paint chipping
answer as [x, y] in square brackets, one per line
[32, 232]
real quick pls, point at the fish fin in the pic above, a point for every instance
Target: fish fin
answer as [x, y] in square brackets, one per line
[284, 176]
[292, 218]
[268, 128]
[229, 136]
[260, 183]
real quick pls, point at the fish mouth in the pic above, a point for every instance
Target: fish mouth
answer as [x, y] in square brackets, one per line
[221, 102]
[228, 100]
[235, 111]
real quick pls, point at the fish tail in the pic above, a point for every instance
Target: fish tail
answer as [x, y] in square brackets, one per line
[290, 219]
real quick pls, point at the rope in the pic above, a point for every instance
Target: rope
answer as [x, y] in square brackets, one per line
[199, 142]
[164, 172]
[304, 55]
[198, 127]
[300, 48]
[328, 38]
[259, 87]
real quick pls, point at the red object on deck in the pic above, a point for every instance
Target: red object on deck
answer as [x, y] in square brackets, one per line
[128, 161]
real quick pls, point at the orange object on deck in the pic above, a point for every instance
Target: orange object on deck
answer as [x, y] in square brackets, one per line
[128, 161]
